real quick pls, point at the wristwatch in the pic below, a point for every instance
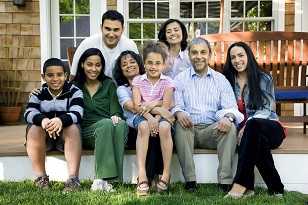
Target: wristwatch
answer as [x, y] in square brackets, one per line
[231, 119]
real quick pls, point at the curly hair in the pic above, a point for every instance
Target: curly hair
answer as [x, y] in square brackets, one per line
[117, 71]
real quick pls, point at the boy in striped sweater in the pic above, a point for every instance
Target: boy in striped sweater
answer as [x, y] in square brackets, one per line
[53, 116]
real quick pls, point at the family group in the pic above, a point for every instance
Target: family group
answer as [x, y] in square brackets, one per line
[167, 99]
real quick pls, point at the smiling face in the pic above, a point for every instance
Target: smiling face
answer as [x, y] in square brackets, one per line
[129, 66]
[199, 55]
[239, 58]
[55, 78]
[154, 64]
[111, 31]
[92, 67]
[174, 33]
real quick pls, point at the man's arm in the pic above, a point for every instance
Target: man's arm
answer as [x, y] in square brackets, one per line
[228, 102]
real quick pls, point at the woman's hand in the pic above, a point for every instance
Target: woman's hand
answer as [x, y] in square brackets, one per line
[115, 119]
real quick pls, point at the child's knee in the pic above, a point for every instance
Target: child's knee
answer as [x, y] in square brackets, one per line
[71, 132]
[164, 126]
[143, 127]
[35, 133]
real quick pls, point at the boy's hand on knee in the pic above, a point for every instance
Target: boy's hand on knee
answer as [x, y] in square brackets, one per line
[54, 127]
[45, 123]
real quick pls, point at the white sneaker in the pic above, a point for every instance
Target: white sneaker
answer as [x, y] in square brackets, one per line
[101, 185]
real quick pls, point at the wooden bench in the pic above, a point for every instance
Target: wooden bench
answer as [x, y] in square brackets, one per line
[282, 54]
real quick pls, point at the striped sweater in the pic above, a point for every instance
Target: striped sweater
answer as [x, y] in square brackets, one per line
[68, 106]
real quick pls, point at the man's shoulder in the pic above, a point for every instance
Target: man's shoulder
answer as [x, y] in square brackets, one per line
[92, 40]
[218, 75]
[126, 43]
[183, 75]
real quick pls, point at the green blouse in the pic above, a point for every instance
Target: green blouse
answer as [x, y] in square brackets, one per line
[103, 104]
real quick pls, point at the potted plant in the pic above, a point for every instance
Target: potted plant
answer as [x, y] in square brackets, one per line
[10, 106]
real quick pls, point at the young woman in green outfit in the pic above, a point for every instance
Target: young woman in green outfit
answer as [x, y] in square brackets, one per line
[102, 127]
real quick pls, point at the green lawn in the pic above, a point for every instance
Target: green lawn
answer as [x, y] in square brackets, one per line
[25, 193]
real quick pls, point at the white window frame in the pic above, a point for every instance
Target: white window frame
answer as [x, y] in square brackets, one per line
[50, 31]
[278, 13]
[301, 14]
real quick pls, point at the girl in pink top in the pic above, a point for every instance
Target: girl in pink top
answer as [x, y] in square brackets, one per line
[152, 89]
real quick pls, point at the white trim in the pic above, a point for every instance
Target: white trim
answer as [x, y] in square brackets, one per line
[227, 15]
[304, 15]
[45, 31]
[97, 8]
[121, 6]
[298, 16]
[55, 33]
[279, 14]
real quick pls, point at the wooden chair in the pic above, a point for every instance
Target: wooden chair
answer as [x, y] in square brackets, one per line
[283, 54]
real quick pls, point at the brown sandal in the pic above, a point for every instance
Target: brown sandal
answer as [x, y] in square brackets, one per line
[142, 190]
[162, 186]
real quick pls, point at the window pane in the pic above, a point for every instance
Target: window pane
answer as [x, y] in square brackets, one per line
[251, 26]
[66, 7]
[134, 10]
[200, 10]
[148, 30]
[82, 6]
[251, 9]
[265, 8]
[237, 9]
[148, 10]
[82, 26]
[163, 10]
[66, 26]
[236, 26]
[265, 26]
[200, 28]
[213, 27]
[135, 30]
[65, 43]
[214, 9]
[186, 9]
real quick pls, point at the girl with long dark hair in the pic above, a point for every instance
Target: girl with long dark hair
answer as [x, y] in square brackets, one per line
[261, 131]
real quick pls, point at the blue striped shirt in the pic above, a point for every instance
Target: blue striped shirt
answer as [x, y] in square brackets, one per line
[206, 99]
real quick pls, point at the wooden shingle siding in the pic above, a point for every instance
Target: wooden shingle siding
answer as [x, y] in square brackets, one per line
[112, 4]
[20, 44]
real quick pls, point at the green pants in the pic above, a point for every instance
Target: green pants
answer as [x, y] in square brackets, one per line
[108, 142]
[204, 136]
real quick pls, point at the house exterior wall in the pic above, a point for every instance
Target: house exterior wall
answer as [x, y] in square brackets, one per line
[20, 44]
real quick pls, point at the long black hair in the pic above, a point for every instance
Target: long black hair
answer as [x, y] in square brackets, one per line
[80, 78]
[117, 71]
[162, 33]
[257, 98]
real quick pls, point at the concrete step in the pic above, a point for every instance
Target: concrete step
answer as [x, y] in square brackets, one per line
[293, 169]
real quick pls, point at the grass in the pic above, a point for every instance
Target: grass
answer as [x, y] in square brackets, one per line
[26, 193]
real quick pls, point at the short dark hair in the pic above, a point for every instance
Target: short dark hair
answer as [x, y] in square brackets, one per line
[113, 15]
[162, 33]
[154, 47]
[198, 41]
[80, 78]
[53, 62]
[117, 71]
